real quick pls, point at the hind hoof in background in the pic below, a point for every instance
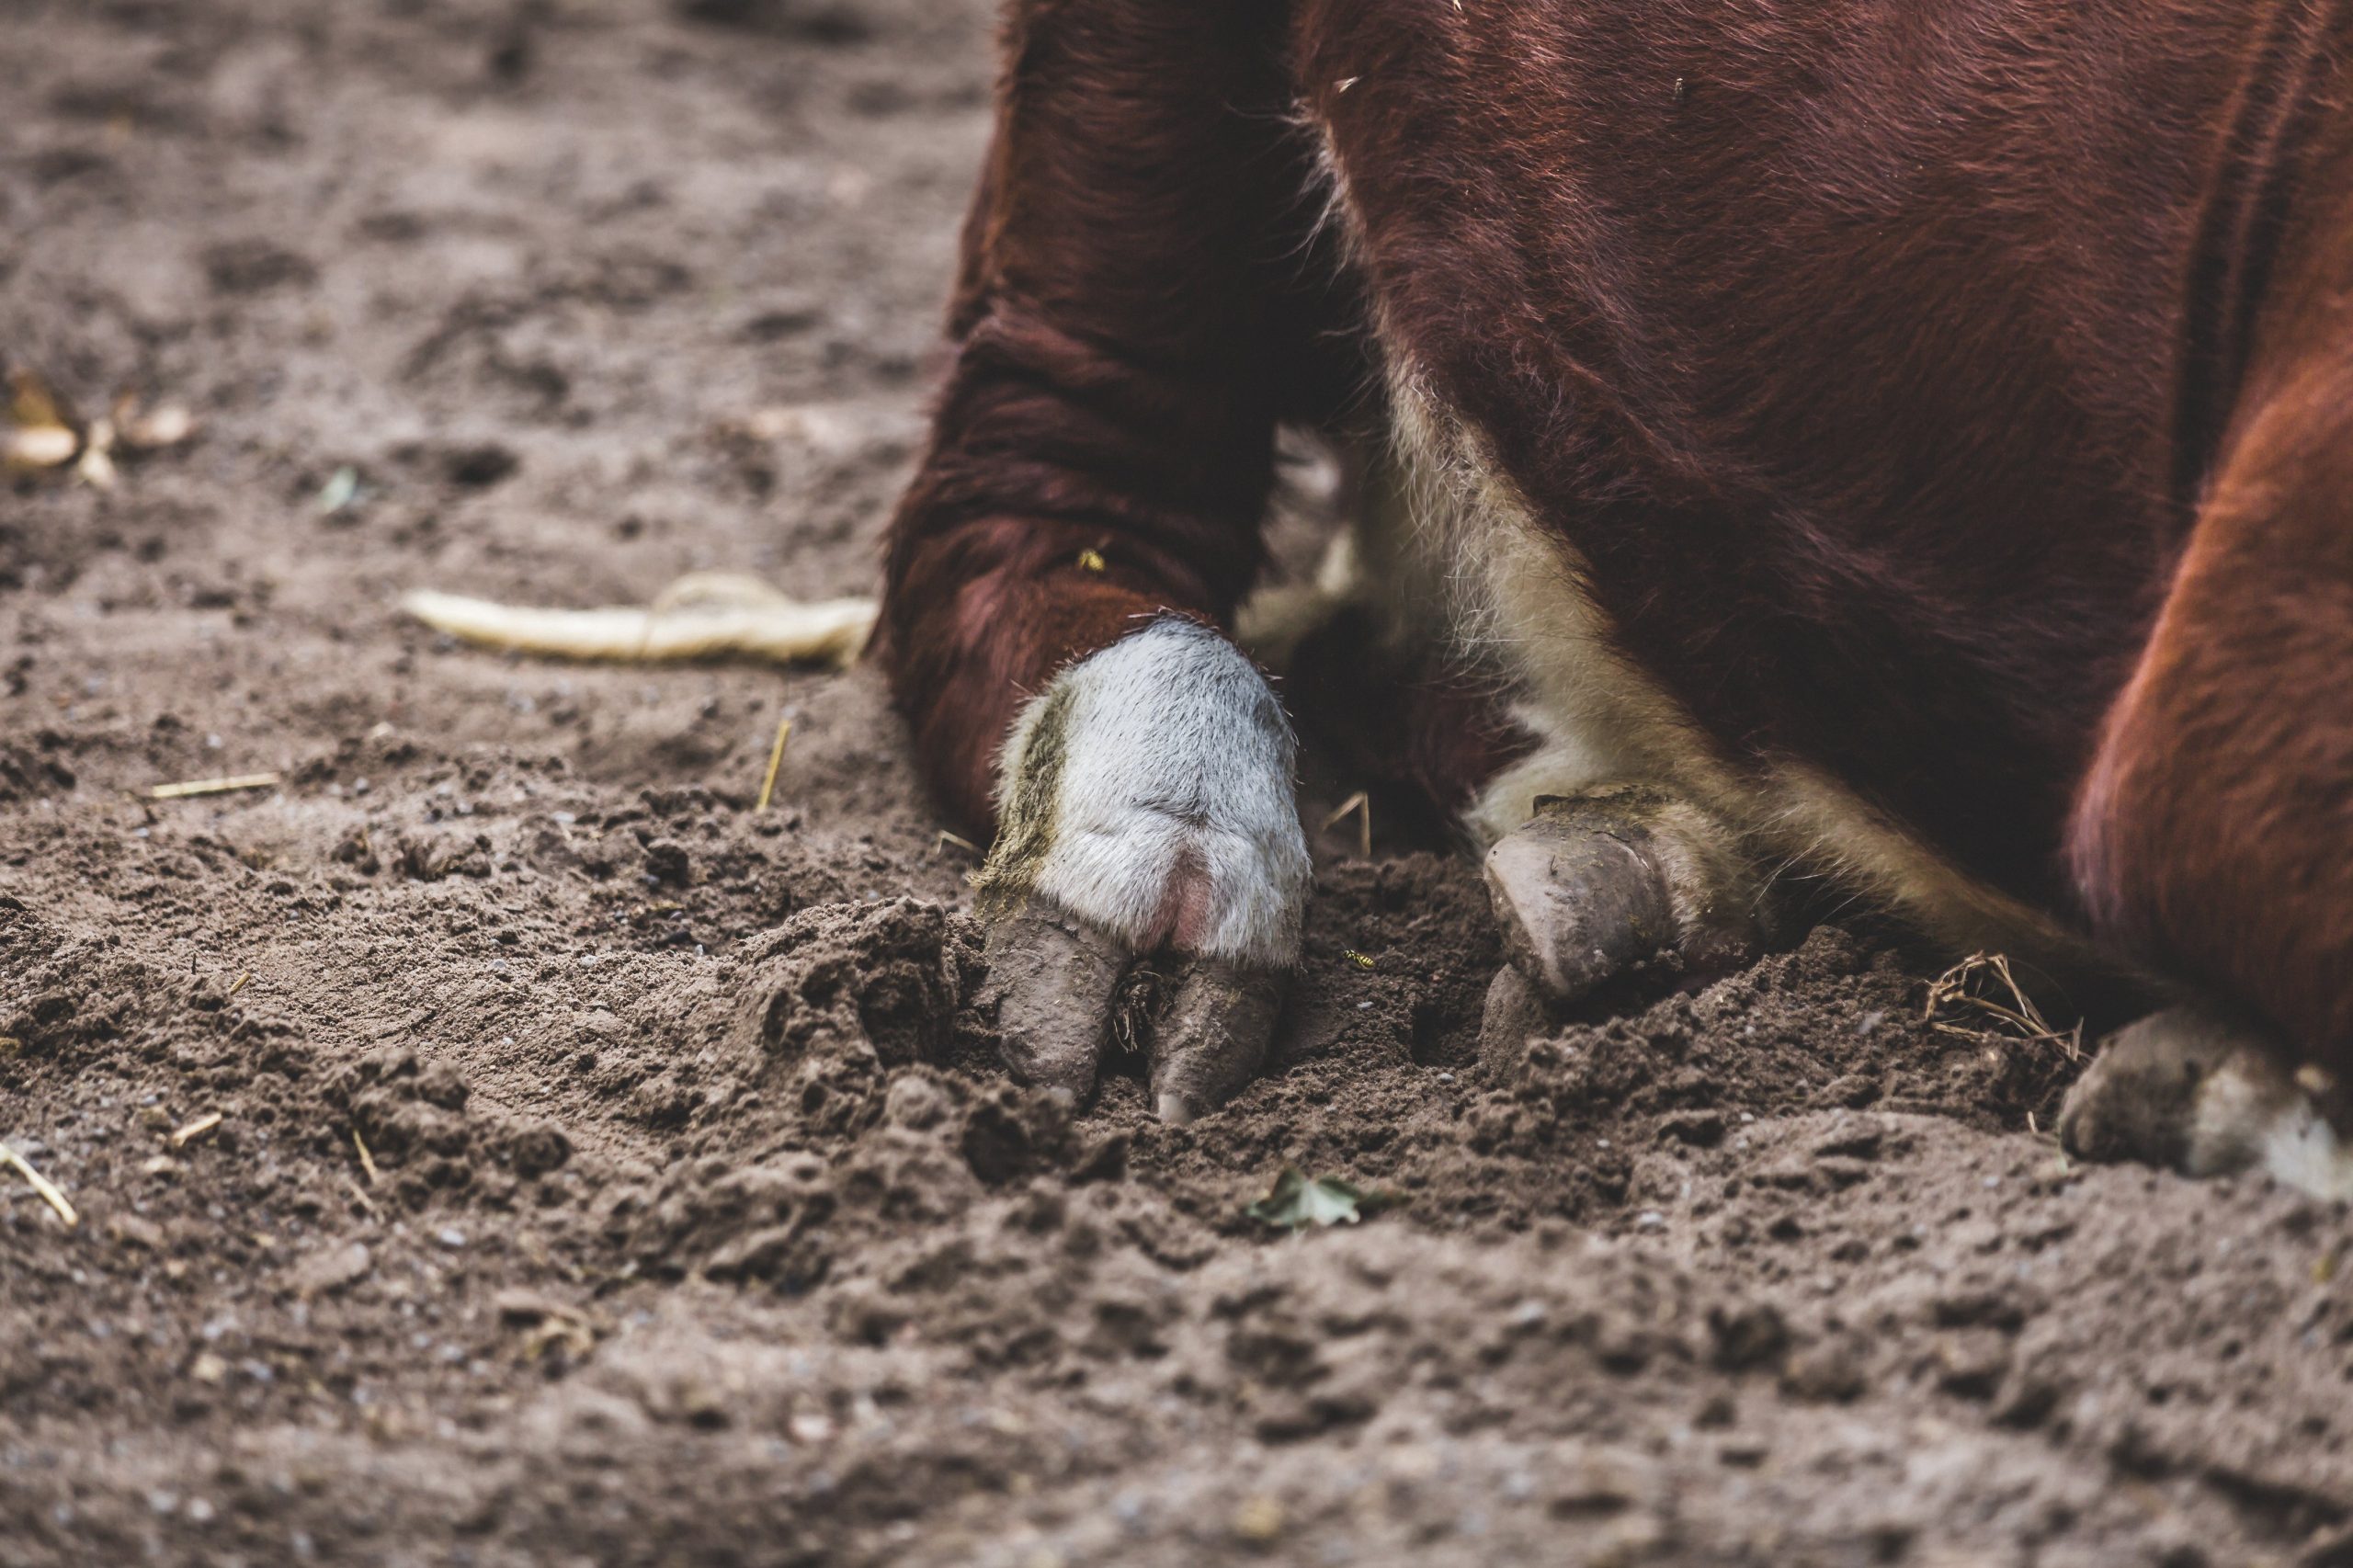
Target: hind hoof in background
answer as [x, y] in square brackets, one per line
[2195, 1091]
[1619, 880]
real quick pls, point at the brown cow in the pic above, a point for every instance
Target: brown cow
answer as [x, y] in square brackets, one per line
[1901, 446]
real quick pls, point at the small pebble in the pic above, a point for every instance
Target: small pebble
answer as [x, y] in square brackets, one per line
[450, 1236]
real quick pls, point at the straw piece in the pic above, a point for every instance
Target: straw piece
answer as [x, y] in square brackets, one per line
[765, 624]
[213, 785]
[41, 1185]
[1361, 803]
[195, 1130]
[776, 760]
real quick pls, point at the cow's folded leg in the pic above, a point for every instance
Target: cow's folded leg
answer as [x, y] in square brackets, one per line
[1615, 877]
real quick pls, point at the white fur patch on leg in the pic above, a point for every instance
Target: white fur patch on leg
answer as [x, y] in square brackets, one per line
[1150, 791]
[2248, 1115]
[1564, 764]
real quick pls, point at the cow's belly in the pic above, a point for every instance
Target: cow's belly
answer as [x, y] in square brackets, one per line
[1814, 432]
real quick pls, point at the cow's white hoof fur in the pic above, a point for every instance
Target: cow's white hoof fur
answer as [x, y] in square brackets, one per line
[2207, 1095]
[1147, 811]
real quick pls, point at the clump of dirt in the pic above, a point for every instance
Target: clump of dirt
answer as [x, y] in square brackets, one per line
[605, 1169]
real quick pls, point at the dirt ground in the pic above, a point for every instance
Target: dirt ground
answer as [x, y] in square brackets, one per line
[694, 1225]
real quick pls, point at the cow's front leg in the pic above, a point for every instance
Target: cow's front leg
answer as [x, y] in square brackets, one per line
[1147, 814]
[1618, 878]
[1142, 296]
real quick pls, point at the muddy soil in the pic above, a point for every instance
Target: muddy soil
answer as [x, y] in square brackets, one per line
[609, 1172]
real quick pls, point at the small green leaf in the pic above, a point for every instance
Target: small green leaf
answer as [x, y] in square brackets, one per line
[1294, 1202]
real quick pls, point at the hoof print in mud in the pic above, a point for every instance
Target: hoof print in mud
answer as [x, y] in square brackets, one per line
[891, 975]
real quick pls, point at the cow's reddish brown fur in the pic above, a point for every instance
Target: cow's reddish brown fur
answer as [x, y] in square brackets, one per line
[1952, 395]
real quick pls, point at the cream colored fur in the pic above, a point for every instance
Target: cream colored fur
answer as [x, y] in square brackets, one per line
[1522, 604]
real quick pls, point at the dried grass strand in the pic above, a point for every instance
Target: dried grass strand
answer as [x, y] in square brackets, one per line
[41, 1185]
[224, 786]
[1958, 1006]
[1361, 803]
[195, 1130]
[776, 761]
